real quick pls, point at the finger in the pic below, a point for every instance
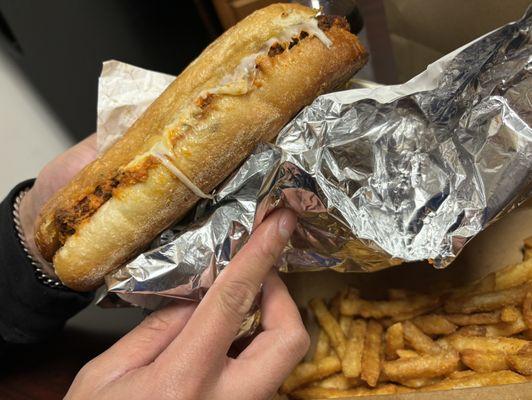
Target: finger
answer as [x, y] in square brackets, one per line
[145, 342]
[284, 333]
[213, 326]
[276, 351]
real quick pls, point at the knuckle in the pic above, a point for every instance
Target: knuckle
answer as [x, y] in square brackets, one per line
[154, 323]
[236, 297]
[296, 341]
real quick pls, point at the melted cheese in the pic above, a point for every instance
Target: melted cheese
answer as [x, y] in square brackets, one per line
[237, 83]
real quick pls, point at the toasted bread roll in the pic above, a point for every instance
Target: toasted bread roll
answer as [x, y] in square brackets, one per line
[241, 90]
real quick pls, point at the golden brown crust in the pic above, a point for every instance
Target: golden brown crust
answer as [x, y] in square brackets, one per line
[222, 136]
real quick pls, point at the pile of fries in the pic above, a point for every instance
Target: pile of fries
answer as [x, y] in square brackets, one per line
[472, 336]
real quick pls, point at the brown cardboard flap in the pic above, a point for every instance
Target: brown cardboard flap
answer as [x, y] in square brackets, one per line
[422, 31]
[496, 247]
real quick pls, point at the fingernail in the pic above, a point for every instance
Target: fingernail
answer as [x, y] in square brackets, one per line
[287, 224]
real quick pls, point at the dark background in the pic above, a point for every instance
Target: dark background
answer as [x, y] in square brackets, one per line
[60, 45]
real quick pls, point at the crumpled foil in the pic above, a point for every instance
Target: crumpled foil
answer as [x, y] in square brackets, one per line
[377, 176]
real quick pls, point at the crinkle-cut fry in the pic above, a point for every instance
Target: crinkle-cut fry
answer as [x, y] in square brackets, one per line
[311, 393]
[471, 330]
[474, 319]
[338, 381]
[308, 372]
[425, 366]
[392, 308]
[503, 344]
[336, 301]
[323, 346]
[329, 324]
[418, 340]
[352, 360]
[510, 314]
[486, 284]
[417, 383]
[521, 363]
[507, 329]
[527, 309]
[484, 361]
[371, 355]
[345, 324]
[394, 340]
[513, 275]
[434, 324]
[461, 374]
[407, 353]
[488, 301]
[478, 379]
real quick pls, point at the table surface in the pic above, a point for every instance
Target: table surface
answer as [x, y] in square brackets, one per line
[46, 370]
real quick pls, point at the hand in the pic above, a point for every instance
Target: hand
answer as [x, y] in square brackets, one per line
[180, 352]
[53, 176]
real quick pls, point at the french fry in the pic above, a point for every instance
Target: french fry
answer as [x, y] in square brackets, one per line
[486, 284]
[434, 324]
[488, 301]
[527, 309]
[394, 340]
[507, 329]
[345, 324]
[311, 393]
[503, 344]
[352, 361]
[510, 314]
[472, 330]
[418, 340]
[478, 379]
[338, 381]
[484, 361]
[407, 353]
[323, 346]
[527, 250]
[474, 319]
[514, 275]
[382, 309]
[335, 304]
[371, 355]
[425, 366]
[419, 382]
[329, 324]
[461, 374]
[521, 363]
[309, 372]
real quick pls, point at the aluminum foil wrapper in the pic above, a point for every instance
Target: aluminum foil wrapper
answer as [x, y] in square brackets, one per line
[377, 176]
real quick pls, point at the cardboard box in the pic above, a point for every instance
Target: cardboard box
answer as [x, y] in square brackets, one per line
[422, 31]
[496, 247]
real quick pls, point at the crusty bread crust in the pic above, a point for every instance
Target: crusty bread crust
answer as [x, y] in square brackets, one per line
[220, 139]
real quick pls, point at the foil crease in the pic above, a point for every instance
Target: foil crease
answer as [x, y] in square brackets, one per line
[377, 176]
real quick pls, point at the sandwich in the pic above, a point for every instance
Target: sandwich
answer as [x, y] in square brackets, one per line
[240, 91]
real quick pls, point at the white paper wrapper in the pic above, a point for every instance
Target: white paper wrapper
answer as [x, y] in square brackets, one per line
[124, 93]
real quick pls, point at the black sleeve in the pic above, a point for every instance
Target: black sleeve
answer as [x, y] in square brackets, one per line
[29, 310]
